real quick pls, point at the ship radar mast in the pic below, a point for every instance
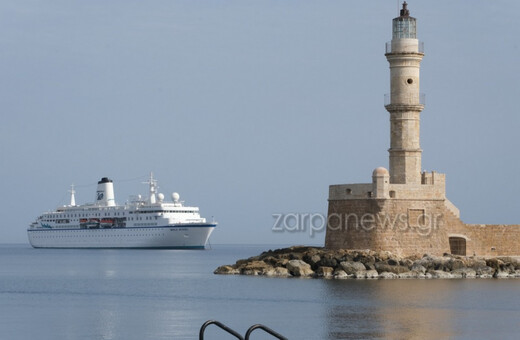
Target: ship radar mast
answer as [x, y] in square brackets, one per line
[153, 188]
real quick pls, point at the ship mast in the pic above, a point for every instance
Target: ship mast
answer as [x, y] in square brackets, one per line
[153, 188]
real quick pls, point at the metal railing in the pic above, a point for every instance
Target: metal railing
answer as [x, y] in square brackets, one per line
[388, 47]
[265, 329]
[220, 325]
[412, 100]
[235, 333]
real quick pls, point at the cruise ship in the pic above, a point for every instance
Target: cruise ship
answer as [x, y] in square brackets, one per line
[151, 222]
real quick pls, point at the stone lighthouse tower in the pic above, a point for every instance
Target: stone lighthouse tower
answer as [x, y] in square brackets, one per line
[403, 210]
[404, 103]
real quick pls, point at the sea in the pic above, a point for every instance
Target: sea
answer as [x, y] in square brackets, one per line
[169, 294]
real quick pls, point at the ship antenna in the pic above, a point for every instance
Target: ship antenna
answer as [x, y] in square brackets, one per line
[153, 188]
[72, 197]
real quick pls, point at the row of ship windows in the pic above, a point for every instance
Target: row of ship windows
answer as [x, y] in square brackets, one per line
[126, 219]
[162, 211]
[86, 231]
[122, 214]
[112, 236]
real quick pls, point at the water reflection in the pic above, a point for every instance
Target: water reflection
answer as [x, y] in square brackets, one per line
[396, 309]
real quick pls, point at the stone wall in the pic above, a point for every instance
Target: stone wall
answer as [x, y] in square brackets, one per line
[407, 227]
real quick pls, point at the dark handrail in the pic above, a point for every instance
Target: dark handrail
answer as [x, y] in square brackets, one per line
[221, 325]
[265, 329]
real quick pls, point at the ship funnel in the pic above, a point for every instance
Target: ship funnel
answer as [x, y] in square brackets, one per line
[105, 193]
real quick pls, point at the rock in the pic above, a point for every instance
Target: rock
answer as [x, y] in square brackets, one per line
[469, 273]
[327, 261]
[343, 263]
[387, 275]
[226, 270]
[494, 263]
[500, 274]
[474, 262]
[407, 263]
[270, 260]
[361, 274]
[426, 262]
[411, 275]
[299, 268]
[255, 268]
[372, 274]
[439, 274]
[281, 263]
[393, 261]
[313, 261]
[325, 272]
[485, 272]
[511, 261]
[455, 264]
[386, 267]
[295, 256]
[366, 259]
[431, 262]
[351, 267]
[277, 272]
[340, 274]
[418, 268]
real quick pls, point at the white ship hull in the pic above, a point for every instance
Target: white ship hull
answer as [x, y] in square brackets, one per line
[182, 236]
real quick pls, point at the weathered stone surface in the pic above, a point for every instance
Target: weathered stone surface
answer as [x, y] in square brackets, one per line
[327, 260]
[416, 267]
[502, 274]
[314, 260]
[255, 268]
[325, 272]
[385, 267]
[351, 267]
[407, 263]
[372, 274]
[277, 272]
[439, 274]
[227, 270]
[299, 268]
[340, 274]
[485, 272]
[387, 275]
[455, 264]
[411, 275]
[469, 273]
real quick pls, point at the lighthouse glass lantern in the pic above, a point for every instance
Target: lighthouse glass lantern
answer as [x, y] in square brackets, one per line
[404, 26]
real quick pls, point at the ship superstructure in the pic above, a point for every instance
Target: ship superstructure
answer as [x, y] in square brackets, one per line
[150, 222]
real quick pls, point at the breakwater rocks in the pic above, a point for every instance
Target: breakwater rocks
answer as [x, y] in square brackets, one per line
[301, 261]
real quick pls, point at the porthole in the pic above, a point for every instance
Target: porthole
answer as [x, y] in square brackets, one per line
[410, 81]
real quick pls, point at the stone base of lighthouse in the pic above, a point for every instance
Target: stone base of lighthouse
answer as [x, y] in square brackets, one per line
[409, 219]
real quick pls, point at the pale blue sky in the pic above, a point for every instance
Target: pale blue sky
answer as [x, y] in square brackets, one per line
[248, 108]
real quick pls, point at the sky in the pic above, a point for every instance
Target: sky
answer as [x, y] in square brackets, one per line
[248, 109]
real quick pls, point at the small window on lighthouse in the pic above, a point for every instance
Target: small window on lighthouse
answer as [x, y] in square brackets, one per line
[410, 81]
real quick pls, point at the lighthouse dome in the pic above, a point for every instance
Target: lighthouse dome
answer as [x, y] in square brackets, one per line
[380, 171]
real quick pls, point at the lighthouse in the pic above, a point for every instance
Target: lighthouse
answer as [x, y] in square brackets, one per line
[403, 210]
[404, 103]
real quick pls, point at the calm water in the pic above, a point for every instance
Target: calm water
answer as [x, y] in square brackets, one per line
[168, 294]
